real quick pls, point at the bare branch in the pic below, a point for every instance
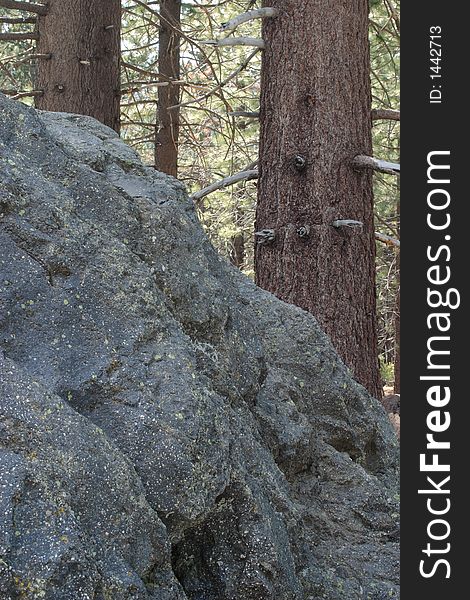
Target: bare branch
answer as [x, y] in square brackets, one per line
[18, 21]
[160, 77]
[138, 102]
[140, 70]
[223, 183]
[13, 37]
[17, 94]
[223, 83]
[252, 165]
[29, 57]
[259, 13]
[385, 113]
[240, 41]
[39, 9]
[347, 223]
[381, 237]
[151, 84]
[386, 239]
[243, 113]
[368, 162]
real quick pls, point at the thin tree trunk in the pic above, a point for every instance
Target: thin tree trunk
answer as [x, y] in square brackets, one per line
[315, 118]
[83, 74]
[166, 146]
[237, 253]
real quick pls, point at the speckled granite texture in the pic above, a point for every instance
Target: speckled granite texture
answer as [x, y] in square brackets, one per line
[168, 431]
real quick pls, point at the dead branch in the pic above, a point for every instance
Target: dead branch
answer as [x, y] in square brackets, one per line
[368, 162]
[259, 13]
[386, 239]
[386, 114]
[183, 36]
[243, 113]
[28, 58]
[240, 41]
[18, 21]
[347, 223]
[151, 84]
[222, 84]
[140, 70]
[381, 237]
[13, 37]
[223, 183]
[138, 102]
[17, 94]
[252, 165]
[39, 9]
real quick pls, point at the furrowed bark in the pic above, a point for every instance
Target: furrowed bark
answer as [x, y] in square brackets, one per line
[315, 118]
[83, 74]
[166, 143]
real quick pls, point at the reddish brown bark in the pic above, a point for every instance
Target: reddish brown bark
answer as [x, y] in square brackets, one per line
[83, 74]
[315, 118]
[166, 146]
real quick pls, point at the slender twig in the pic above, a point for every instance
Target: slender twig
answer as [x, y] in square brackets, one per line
[184, 37]
[13, 59]
[39, 56]
[30, 57]
[368, 162]
[158, 76]
[385, 223]
[142, 83]
[138, 123]
[259, 13]
[223, 83]
[252, 165]
[138, 102]
[16, 94]
[39, 9]
[150, 84]
[394, 15]
[223, 183]
[140, 70]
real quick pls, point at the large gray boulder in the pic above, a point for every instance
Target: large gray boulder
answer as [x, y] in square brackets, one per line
[168, 431]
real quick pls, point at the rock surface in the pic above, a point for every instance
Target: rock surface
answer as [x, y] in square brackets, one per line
[168, 431]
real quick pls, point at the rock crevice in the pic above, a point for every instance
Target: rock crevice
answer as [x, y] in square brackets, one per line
[168, 431]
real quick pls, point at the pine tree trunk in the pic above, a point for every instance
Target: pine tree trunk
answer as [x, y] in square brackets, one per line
[166, 146]
[237, 251]
[315, 118]
[83, 74]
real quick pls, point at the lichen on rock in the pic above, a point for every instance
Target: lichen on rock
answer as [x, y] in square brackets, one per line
[168, 430]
